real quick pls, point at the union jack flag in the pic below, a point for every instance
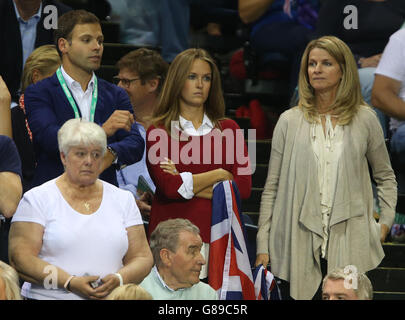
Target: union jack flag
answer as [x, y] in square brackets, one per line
[265, 284]
[229, 270]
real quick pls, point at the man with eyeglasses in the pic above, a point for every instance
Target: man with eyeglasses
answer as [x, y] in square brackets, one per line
[141, 75]
[75, 92]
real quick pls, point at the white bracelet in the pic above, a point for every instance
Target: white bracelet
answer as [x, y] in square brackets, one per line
[120, 277]
[66, 285]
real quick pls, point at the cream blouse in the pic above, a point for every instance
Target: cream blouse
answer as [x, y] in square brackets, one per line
[327, 147]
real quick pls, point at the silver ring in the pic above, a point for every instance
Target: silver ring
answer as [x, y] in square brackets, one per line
[175, 170]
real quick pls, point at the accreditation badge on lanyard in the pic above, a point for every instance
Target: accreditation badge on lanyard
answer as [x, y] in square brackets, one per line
[72, 101]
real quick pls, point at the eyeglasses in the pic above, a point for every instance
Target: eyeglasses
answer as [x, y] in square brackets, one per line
[125, 82]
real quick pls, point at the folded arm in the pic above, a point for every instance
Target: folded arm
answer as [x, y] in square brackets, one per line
[169, 180]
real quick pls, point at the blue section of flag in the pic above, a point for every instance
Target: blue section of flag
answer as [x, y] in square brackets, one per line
[229, 269]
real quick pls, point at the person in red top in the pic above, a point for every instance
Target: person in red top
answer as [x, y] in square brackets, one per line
[191, 145]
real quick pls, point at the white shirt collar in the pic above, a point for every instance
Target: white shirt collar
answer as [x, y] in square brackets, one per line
[154, 269]
[188, 127]
[75, 85]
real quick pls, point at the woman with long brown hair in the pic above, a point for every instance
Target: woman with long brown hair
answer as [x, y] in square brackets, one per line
[192, 146]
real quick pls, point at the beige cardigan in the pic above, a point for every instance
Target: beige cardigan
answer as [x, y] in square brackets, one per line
[290, 223]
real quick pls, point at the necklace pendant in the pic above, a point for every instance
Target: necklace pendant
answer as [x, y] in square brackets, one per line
[87, 206]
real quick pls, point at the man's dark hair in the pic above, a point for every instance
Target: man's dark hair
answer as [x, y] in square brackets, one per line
[68, 21]
[148, 64]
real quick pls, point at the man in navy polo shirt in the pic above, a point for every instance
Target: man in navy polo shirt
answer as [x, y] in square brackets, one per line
[10, 189]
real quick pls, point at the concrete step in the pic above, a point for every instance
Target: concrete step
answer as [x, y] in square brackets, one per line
[276, 87]
[401, 203]
[254, 216]
[213, 44]
[115, 51]
[379, 295]
[106, 72]
[243, 123]
[394, 256]
[260, 175]
[253, 203]
[388, 279]
[262, 150]
[111, 31]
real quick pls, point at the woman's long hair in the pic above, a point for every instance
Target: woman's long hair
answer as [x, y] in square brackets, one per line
[168, 107]
[45, 59]
[348, 96]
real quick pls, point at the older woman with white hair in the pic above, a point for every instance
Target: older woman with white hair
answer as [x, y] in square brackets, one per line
[76, 236]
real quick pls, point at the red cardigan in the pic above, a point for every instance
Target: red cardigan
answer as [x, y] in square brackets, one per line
[167, 202]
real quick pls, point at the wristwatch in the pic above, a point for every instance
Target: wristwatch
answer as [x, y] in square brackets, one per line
[115, 155]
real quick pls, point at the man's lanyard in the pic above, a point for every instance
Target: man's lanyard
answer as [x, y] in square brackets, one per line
[72, 101]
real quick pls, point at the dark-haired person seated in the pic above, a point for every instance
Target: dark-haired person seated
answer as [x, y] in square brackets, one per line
[75, 92]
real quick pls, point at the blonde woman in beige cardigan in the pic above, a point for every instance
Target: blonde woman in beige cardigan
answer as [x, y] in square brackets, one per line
[317, 203]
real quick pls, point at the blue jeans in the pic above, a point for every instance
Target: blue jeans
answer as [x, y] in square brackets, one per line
[175, 25]
[398, 156]
[366, 76]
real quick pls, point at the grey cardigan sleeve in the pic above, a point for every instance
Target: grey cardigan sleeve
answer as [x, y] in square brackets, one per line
[378, 158]
[269, 193]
